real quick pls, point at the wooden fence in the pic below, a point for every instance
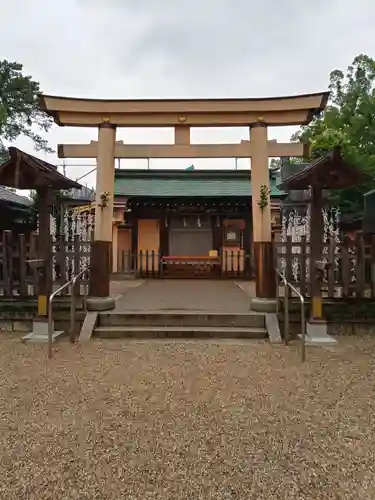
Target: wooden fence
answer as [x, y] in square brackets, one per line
[18, 278]
[349, 269]
[227, 264]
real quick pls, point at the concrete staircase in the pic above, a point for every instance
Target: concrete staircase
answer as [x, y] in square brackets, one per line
[180, 324]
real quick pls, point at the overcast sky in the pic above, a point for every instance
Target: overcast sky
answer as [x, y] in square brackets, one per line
[181, 48]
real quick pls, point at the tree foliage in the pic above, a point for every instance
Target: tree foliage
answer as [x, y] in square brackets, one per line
[20, 113]
[349, 122]
[275, 164]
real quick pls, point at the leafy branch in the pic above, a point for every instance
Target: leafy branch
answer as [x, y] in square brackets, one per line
[265, 193]
[20, 112]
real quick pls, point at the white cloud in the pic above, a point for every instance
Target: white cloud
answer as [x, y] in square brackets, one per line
[184, 48]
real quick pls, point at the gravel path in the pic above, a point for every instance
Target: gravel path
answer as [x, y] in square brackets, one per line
[187, 420]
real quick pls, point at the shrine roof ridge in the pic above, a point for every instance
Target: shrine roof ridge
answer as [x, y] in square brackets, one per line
[188, 174]
[188, 184]
[10, 197]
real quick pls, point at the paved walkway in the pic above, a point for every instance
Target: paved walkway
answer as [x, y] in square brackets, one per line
[184, 295]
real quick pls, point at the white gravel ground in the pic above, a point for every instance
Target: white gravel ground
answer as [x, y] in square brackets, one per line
[187, 420]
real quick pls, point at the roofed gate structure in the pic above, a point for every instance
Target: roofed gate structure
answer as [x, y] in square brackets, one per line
[331, 171]
[182, 115]
[24, 171]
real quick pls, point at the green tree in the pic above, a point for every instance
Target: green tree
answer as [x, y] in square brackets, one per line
[20, 113]
[349, 122]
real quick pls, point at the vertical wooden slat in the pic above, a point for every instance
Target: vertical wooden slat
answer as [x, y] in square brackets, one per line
[22, 264]
[302, 267]
[147, 267]
[48, 256]
[77, 259]
[62, 260]
[152, 262]
[373, 266]
[316, 233]
[289, 258]
[331, 266]
[247, 247]
[135, 259]
[34, 255]
[134, 244]
[360, 266]
[2, 261]
[141, 263]
[345, 266]
[11, 268]
[6, 264]
[126, 261]
[161, 265]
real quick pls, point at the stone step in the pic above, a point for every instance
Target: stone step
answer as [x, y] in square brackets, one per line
[179, 332]
[182, 318]
[318, 340]
[40, 338]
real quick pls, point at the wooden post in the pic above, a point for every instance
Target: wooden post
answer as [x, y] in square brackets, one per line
[22, 264]
[316, 236]
[360, 267]
[345, 267]
[7, 267]
[331, 268]
[302, 267]
[373, 266]
[45, 200]
[134, 245]
[247, 246]
[33, 255]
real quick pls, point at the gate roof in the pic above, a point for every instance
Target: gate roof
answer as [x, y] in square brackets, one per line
[328, 172]
[24, 171]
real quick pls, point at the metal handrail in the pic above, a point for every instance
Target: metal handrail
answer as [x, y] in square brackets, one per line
[286, 311]
[72, 282]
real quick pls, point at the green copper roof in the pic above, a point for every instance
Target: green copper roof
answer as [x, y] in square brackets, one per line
[186, 183]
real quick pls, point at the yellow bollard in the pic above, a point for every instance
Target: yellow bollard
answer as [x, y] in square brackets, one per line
[42, 305]
[317, 307]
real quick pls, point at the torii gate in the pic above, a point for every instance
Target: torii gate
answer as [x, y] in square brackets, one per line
[182, 115]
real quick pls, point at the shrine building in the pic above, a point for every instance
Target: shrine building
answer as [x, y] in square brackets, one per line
[196, 219]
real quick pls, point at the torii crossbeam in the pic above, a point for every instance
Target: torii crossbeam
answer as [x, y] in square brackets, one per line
[180, 150]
